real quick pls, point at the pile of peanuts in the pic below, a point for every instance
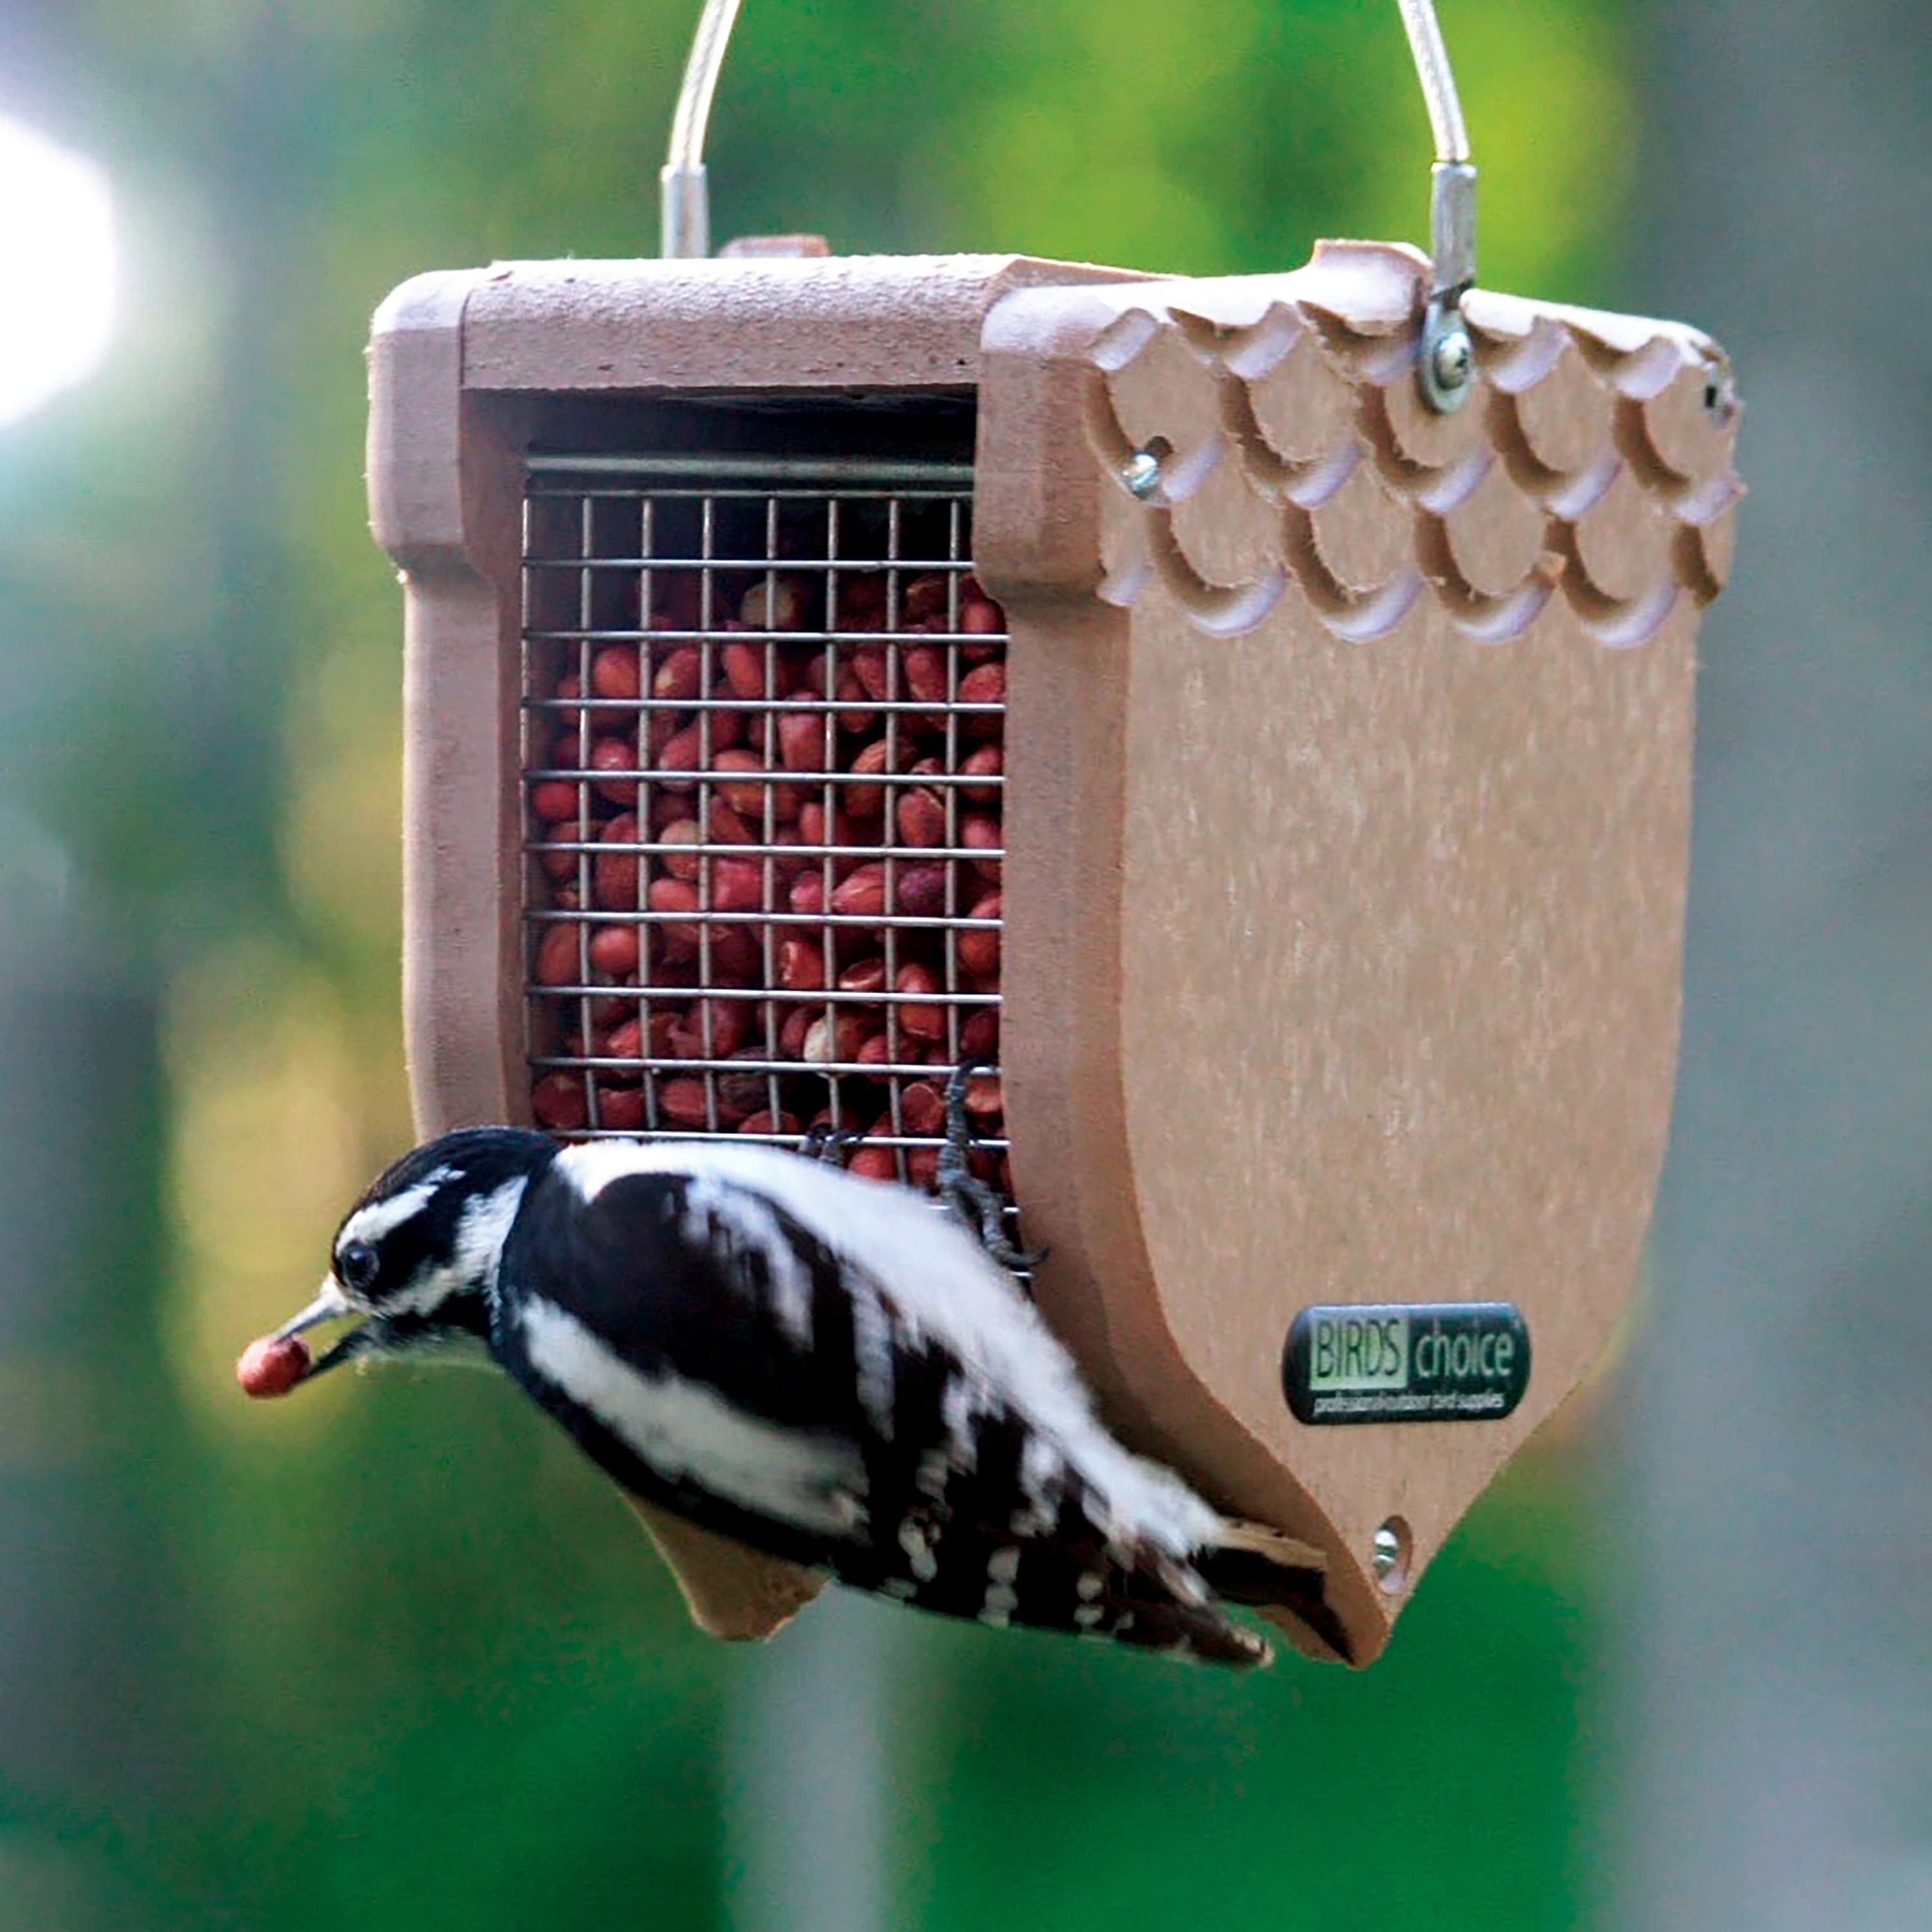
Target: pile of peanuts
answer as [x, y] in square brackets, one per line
[768, 866]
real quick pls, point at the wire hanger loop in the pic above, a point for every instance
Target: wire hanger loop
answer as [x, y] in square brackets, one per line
[1446, 365]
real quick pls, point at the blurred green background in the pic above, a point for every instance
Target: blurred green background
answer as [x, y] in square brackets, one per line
[391, 1657]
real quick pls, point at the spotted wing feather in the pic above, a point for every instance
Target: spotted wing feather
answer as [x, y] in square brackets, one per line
[743, 1344]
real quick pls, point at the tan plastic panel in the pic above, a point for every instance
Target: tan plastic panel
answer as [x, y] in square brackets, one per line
[1348, 808]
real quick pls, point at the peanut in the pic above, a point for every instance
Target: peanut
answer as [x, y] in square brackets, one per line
[920, 817]
[272, 1365]
[983, 761]
[922, 1020]
[862, 896]
[864, 976]
[922, 1107]
[835, 1036]
[558, 1101]
[552, 799]
[801, 741]
[562, 865]
[679, 677]
[748, 794]
[614, 874]
[801, 966]
[781, 606]
[611, 754]
[978, 949]
[557, 962]
[614, 672]
[613, 949]
[922, 891]
[685, 1103]
[864, 801]
[620, 1109]
[873, 1163]
[980, 1034]
[736, 885]
[744, 668]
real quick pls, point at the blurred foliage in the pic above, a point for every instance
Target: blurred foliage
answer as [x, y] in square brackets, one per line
[405, 1662]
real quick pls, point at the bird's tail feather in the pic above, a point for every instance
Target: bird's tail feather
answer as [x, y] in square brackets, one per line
[1248, 1563]
[1159, 1603]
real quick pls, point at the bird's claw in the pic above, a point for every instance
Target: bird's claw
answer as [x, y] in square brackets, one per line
[976, 1207]
[828, 1144]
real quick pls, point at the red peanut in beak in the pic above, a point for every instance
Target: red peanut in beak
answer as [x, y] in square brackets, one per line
[272, 1365]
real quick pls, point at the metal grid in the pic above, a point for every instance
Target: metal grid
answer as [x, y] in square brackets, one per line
[763, 859]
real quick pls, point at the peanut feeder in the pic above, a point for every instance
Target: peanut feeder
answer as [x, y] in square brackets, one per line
[1250, 719]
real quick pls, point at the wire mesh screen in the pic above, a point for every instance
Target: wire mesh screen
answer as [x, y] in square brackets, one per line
[764, 699]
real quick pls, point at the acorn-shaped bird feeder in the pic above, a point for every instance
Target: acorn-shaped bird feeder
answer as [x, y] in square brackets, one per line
[1246, 722]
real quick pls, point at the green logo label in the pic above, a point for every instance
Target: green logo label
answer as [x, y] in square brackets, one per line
[1449, 1361]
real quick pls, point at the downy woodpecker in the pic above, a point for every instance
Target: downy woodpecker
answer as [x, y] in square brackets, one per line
[819, 1366]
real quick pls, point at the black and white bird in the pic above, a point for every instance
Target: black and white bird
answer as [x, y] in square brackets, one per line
[818, 1365]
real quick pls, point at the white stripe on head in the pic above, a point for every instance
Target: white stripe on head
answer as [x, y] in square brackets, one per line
[481, 1232]
[943, 1285]
[485, 1227]
[381, 1218]
[679, 1429]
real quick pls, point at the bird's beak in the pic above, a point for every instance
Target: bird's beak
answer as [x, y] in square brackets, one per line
[277, 1363]
[329, 1302]
[329, 1305]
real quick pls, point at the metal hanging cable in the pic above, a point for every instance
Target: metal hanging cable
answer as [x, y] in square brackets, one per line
[1438, 83]
[684, 198]
[686, 202]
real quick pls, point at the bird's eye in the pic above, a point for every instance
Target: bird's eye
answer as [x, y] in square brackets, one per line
[356, 1267]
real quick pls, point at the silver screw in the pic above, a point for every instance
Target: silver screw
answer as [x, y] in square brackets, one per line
[1141, 473]
[1390, 1559]
[1448, 356]
[1454, 359]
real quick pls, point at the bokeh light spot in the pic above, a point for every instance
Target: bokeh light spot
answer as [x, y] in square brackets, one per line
[57, 239]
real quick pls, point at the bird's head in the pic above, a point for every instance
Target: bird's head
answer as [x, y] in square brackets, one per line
[415, 1259]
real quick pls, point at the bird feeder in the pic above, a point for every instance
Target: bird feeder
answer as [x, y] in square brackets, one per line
[1247, 721]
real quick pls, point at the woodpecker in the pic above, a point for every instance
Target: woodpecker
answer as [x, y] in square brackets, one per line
[820, 1366]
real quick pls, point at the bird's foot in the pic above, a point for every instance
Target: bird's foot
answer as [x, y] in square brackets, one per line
[829, 1144]
[978, 1208]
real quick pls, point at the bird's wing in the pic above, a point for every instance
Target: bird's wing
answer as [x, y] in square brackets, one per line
[822, 1368]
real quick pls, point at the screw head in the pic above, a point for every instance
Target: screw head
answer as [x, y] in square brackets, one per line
[1389, 1556]
[1448, 366]
[1454, 359]
[1141, 473]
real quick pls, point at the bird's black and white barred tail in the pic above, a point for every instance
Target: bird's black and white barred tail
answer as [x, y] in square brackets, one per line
[822, 1368]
